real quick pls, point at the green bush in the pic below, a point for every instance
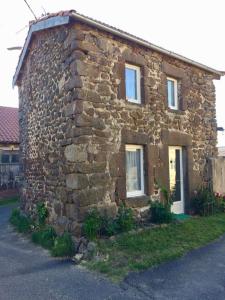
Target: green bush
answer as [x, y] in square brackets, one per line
[96, 225]
[42, 213]
[160, 213]
[14, 216]
[109, 226]
[124, 219]
[63, 246]
[203, 202]
[21, 222]
[44, 237]
[93, 224]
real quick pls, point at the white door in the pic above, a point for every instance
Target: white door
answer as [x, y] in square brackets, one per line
[176, 179]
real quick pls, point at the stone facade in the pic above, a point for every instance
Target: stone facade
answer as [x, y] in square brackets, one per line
[75, 122]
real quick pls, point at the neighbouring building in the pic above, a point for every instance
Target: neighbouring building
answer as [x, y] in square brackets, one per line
[221, 151]
[9, 148]
[106, 116]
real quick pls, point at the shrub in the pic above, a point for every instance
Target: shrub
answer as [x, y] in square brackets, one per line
[42, 213]
[21, 222]
[109, 226]
[124, 219]
[63, 246]
[14, 216]
[44, 237]
[92, 224]
[203, 202]
[160, 212]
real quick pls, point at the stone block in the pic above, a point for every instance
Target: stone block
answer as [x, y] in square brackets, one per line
[71, 211]
[76, 181]
[90, 196]
[76, 153]
[74, 82]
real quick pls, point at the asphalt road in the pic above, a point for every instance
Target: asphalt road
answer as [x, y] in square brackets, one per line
[28, 272]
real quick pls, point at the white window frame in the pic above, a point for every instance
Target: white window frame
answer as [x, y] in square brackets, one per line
[138, 83]
[134, 148]
[175, 107]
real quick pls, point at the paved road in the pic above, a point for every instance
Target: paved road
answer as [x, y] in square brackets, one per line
[28, 272]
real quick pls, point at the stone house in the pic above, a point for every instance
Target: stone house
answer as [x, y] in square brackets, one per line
[9, 148]
[104, 115]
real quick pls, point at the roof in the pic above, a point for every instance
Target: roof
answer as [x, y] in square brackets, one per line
[65, 17]
[221, 151]
[9, 125]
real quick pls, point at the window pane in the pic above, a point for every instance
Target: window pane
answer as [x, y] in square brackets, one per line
[171, 93]
[133, 170]
[5, 158]
[131, 83]
[15, 158]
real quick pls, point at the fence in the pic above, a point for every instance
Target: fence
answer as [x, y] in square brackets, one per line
[9, 176]
[218, 174]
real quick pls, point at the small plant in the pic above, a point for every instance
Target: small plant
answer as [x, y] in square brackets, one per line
[203, 202]
[14, 216]
[125, 219]
[160, 212]
[92, 224]
[21, 222]
[109, 226]
[44, 237]
[42, 213]
[63, 246]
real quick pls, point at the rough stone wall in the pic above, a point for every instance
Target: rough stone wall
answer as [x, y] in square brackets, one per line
[75, 121]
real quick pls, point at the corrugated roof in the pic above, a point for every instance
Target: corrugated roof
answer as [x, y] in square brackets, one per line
[59, 18]
[9, 125]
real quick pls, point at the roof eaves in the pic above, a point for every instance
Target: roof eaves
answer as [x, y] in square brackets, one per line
[142, 42]
[35, 27]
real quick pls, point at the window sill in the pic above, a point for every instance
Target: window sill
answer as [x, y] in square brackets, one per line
[176, 111]
[140, 104]
[138, 201]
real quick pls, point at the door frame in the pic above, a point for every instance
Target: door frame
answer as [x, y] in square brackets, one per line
[178, 207]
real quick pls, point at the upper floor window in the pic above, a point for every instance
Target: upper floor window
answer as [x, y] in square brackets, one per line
[134, 170]
[172, 93]
[5, 158]
[133, 83]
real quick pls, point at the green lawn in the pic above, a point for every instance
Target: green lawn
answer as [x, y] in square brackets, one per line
[138, 251]
[7, 201]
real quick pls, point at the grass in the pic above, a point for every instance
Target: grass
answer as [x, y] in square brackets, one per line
[138, 251]
[7, 201]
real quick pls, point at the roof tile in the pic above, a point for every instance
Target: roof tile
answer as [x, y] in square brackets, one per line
[9, 125]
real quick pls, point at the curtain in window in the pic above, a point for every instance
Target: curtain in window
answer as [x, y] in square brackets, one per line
[133, 170]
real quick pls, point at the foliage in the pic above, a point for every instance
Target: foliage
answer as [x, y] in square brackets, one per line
[92, 224]
[125, 219]
[42, 234]
[109, 226]
[150, 247]
[42, 213]
[21, 222]
[160, 212]
[96, 225]
[168, 198]
[204, 202]
[7, 201]
[44, 237]
[63, 246]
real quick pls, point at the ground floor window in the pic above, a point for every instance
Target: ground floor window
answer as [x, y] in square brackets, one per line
[134, 170]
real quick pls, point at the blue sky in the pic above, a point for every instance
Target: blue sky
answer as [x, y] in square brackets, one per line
[192, 28]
